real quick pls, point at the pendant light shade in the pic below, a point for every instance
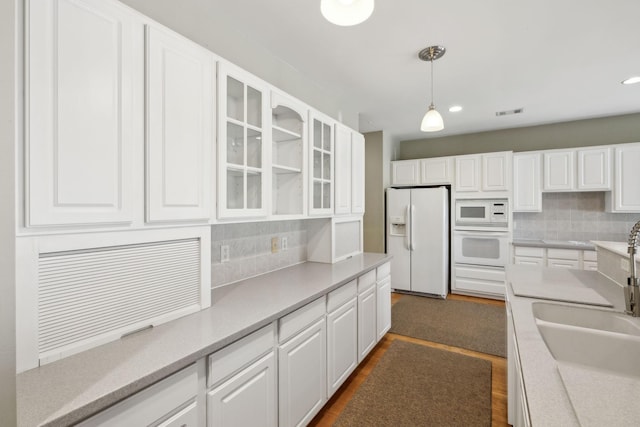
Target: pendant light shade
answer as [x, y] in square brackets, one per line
[346, 12]
[432, 120]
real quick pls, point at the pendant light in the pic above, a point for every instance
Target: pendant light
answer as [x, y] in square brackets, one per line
[432, 120]
[346, 12]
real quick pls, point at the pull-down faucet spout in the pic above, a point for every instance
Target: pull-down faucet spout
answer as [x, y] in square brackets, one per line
[632, 291]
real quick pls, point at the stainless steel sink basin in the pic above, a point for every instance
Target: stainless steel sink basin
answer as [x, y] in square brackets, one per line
[598, 339]
[584, 317]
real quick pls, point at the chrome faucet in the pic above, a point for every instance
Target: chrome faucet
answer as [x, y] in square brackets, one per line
[632, 291]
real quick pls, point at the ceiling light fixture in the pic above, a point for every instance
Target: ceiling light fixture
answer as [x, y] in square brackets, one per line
[432, 120]
[346, 12]
[631, 80]
[455, 108]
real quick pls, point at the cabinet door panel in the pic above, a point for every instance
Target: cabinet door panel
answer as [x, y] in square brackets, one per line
[559, 173]
[383, 299]
[342, 349]
[527, 194]
[626, 197]
[367, 323]
[495, 172]
[436, 171]
[83, 84]
[302, 363]
[342, 191]
[179, 121]
[594, 169]
[357, 173]
[467, 173]
[404, 172]
[247, 399]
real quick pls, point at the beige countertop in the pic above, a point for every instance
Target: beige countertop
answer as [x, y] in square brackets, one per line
[549, 404]
[71, 389]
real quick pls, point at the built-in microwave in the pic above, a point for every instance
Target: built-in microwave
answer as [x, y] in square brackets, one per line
[482, 214]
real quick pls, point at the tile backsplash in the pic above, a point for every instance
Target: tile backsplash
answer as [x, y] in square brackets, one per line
[250, 249]
[573, 216]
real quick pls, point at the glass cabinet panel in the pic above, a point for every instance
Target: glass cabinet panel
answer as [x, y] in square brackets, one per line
[322, 165]
[241, 151]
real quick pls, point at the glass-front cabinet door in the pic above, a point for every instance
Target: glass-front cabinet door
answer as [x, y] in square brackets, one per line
[241, 143]
[288, 154]
[321, 164]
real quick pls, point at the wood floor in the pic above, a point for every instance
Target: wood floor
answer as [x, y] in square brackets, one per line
[338, 402]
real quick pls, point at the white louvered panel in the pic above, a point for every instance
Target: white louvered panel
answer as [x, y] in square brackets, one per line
[85, 294]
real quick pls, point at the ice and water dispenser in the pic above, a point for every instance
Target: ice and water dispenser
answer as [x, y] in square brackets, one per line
[397, 226]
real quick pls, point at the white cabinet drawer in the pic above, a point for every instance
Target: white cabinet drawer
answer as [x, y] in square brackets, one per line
[563, 263]
[525, 260]
[482, 273]
[590, 256]
[383, 271]
[229, 360]
[568, 254]
[294, 322]
[527, 251]
[188, 417]
[155, 403]
[366, 281]
[341, 295]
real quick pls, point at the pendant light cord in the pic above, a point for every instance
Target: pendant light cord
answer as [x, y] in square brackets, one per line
[431, 79]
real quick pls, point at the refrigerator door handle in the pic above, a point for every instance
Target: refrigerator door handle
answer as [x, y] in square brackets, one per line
[407, 231]
[413, 239]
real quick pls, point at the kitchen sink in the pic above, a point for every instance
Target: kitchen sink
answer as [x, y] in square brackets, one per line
[599, 339]
[584, 317]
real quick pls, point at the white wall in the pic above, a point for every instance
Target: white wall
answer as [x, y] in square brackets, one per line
[8, 24]
[201, 22]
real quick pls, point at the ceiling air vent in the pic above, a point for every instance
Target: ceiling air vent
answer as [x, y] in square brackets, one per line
[509, 112]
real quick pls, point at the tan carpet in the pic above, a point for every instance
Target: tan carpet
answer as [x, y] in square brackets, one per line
[470, 325]
[415, 385]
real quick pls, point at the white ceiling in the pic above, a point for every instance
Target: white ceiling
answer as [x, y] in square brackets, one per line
[560, 60]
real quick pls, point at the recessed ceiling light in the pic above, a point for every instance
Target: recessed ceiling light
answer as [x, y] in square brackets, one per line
[455, 109]
[631, 80]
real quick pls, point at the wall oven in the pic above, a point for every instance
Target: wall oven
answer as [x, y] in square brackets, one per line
[477, 214]
[485, 248]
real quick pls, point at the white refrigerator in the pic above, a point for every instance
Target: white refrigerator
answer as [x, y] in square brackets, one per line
[418, 239]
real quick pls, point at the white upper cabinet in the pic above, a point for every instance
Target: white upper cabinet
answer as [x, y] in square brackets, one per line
[594, 169]
[496, 172]
[559, 173]
[84, 81]
[625, 196]
[288, 155]
[468, 173]
[242, 143]
[585, 169]
[179, 107]
[527, 191]
[342, 191]
[483, 172]
[405, 172]
[321, 147]
[438, 170]
[357, 172]
[349, 171]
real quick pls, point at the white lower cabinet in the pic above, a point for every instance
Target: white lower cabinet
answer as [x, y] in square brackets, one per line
[367, 320]
[254, 387]
[556, 258]
[243, 375]
[302, 365]
[342, 335]
[383, 299]
[172, 401]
